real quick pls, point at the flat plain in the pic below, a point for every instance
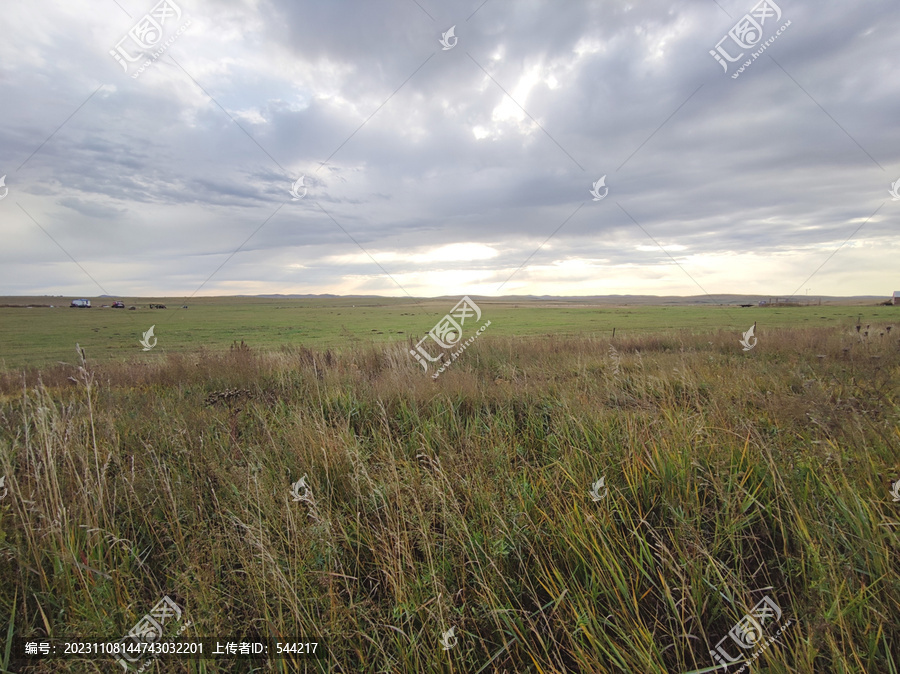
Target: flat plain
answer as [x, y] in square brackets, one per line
[558, 501]
[40, 335]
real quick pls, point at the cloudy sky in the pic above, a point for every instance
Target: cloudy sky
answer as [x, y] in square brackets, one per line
[444, 171]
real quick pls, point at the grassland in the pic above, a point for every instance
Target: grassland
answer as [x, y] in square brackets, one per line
[42, 336]
[462, 502]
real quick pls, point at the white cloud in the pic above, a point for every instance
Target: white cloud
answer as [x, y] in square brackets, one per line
[749, 185]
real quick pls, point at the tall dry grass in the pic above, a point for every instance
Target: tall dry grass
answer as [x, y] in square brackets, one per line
[465, 502]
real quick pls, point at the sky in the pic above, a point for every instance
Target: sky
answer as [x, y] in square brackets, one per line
[438, 162]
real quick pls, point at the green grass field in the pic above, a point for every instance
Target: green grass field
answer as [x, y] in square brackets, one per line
[42, 336]
[729, 478]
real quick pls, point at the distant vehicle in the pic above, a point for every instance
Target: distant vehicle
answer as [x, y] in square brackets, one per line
[118, 305]
[84, 304]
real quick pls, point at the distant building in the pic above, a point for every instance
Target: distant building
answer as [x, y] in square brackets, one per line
[897, 297]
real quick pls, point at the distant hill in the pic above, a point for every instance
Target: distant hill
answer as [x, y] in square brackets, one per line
[552, 300]
[646, 300]
[279, 297]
